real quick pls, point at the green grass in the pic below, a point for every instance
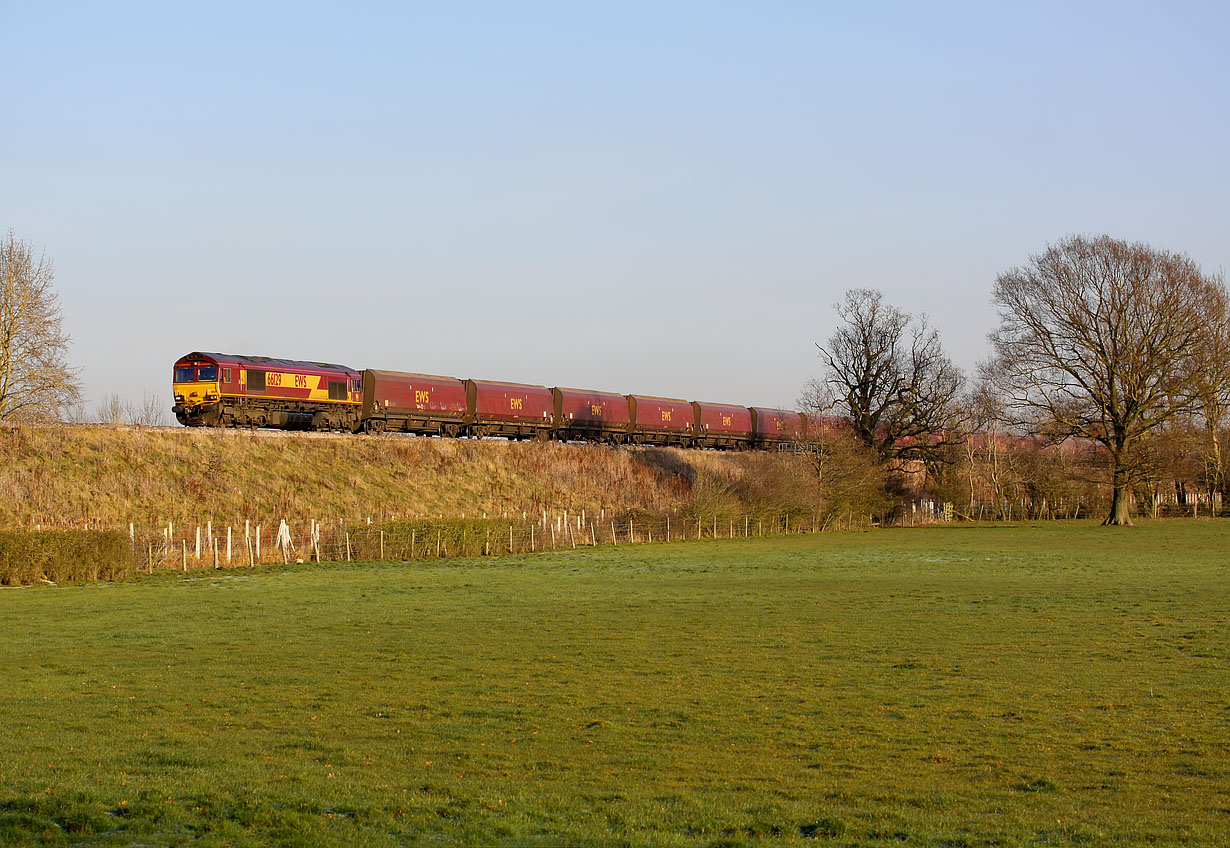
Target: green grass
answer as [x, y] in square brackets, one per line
[1054, 685]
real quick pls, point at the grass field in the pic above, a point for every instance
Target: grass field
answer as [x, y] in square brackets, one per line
[1047, 685]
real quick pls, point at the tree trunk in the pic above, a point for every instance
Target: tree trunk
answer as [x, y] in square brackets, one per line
[1119, 516]
[1218, 484]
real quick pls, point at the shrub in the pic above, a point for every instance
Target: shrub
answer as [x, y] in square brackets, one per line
[27, 556]
[415, 539]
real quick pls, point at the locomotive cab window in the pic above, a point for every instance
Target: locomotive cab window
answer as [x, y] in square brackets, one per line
[226, 375]
[256, 381]
[358, 385]
[337, 390]
[207, 373]
[183, 374]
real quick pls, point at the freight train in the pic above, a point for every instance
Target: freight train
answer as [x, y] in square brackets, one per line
[222, 390]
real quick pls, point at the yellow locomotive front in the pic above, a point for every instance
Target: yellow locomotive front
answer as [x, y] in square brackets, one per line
[198, 392]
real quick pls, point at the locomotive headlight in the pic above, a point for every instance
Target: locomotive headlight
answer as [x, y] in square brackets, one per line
[179, 397]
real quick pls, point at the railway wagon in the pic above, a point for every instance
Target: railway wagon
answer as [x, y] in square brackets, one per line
[590, 415]
[512, 410]
[820, 426]
[223, 390]
[774, 426]
[398, 401]
[661, 421]
[722, 425]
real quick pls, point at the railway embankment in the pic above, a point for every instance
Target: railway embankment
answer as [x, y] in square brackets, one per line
[108, 477]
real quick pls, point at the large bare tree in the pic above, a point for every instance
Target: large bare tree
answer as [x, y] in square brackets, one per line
[1105, 340]
[1213, 397]
[887, 374]
[36, 382]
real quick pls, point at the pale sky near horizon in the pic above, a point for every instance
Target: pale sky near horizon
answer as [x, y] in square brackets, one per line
[664, 198]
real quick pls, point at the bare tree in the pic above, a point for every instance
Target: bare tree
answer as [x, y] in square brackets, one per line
[110, 410]
[1213, 397]
[151, 412]
[1103, 339]
[36, 382]
[888, 375]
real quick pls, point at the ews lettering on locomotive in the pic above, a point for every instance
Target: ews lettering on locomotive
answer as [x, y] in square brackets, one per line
[301, 381]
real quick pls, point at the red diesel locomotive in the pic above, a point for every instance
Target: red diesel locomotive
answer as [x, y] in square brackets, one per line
[222, 390]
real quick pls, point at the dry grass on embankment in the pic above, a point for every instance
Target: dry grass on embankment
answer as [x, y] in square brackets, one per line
[103, 476]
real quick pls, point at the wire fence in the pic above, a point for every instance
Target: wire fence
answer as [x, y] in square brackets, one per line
[212, 545]
[286, 542]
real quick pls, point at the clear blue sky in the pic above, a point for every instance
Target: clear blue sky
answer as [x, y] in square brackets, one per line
[660, 197]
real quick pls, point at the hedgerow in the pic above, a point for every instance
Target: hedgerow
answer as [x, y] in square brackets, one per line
[27, 556]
